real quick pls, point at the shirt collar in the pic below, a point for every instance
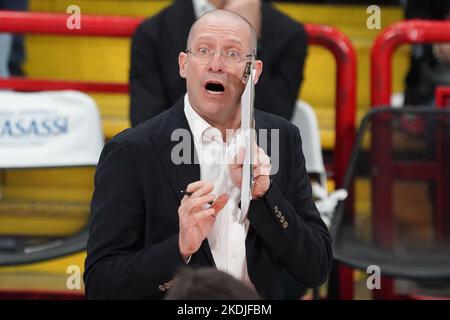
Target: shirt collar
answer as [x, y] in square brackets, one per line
[201, 7]
[198, 125]
[202, 131]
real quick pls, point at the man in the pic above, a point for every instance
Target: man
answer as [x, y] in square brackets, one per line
[154, 81]
[143, 228]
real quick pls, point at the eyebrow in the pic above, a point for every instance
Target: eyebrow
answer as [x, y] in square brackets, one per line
[207, 37]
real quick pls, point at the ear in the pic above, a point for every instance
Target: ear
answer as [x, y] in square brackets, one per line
[258, 68]
[182, 60]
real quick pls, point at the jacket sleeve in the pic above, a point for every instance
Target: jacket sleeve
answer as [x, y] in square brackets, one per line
[118, 265]
[148, 96]
[282, 75]
[294, 233]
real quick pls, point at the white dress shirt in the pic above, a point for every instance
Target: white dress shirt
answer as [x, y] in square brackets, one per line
[227, 236]
[201, 7]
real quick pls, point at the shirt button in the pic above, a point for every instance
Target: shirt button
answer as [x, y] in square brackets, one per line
[275, 209]
[161, 287]
[285, 225]
[282, 219]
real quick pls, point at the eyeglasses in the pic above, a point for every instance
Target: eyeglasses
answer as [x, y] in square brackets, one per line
[205, 56]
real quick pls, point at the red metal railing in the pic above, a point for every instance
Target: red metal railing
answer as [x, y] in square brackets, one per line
[345, 98]
[110, 26]
[56, 24]
[405, 32]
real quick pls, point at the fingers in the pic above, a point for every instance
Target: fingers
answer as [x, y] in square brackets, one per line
[220, 202]
[192, 187]
[262, 170]
[194, 203]
[210, 212]
[198, 217]
[204, 214]
[262, 164]
[200, 195]
[260, 157]
[196, 189]
[262, 184]
[238, 159]
[206, 188]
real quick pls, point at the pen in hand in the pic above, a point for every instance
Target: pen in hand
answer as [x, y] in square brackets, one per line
[188, 194]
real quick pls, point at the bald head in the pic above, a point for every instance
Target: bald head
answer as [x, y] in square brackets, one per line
[214, 82]
[227, 17]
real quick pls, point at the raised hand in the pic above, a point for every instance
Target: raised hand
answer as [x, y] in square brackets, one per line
[196, 216]
[261, 171]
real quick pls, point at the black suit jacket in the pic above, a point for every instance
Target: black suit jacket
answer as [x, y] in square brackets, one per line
[133, 248]
[155, 83]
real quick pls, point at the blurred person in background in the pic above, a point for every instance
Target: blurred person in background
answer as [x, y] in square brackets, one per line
[12, 46]
[429, 63]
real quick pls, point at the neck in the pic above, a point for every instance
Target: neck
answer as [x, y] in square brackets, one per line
[230, 122]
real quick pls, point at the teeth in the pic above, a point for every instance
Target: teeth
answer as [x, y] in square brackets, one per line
[214, 92]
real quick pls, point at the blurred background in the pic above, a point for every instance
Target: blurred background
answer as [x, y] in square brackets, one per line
[42, 205]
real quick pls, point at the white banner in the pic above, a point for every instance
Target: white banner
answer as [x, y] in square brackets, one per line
[49, 129]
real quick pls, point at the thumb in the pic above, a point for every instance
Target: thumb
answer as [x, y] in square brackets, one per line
[238, 159]
[220, 202]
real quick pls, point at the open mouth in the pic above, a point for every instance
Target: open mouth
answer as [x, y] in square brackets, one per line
[214, 87]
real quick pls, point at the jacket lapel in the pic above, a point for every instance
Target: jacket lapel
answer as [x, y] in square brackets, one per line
[179, 175]
[259, 264]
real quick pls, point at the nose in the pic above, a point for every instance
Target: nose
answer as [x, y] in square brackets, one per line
[216, 64]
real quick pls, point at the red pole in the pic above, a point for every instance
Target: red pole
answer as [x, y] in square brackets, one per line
[345, 100]
[345, 118]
